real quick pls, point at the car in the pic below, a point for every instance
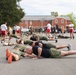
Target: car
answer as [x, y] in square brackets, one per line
[24, 30]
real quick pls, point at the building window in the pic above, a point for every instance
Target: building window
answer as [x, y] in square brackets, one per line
[62, 20]
[56, 20]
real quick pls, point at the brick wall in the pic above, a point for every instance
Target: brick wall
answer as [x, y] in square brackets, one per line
[37, 23]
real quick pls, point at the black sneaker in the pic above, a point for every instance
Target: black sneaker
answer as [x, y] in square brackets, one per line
[73, 37]
[56, 40]
[2, 40]
[69, 47]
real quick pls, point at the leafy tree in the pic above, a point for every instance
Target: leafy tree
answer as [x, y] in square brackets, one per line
[54, 14]
[72, 19]
[10, 12]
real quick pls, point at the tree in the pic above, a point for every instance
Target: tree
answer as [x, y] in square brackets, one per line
[72, 19]
[54, 14]
[10, 12]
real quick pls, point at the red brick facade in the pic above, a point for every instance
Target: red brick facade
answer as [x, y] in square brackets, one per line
[38, 23]
[61, 22]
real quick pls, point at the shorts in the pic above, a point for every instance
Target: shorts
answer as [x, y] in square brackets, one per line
[18, 31]
[71, 30]
[49, 45]
[48, 30]
[21, 47]
[17, 52]
[54, 53]
[43, 38]
[3, 33]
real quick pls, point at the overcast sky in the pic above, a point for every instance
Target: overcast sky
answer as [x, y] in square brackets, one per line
[45, 7]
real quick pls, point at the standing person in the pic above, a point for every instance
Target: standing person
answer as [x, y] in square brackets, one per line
[18, 30]
[48, 30]
[9, 30]
[3, 31]
[54, 31]
[14, 29]
[57, 28]
[71, 32]
[62, 30]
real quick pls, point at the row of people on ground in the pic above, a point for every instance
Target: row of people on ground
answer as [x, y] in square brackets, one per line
[36, 50]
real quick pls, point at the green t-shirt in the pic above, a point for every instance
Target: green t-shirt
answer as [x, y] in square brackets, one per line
[21, 47]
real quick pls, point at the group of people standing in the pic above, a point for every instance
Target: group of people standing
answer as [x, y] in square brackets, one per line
[55, 29]
[8, 30]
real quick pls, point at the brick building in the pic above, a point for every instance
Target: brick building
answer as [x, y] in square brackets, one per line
[41, 21]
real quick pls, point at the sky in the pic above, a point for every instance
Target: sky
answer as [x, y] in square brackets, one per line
[45, 7]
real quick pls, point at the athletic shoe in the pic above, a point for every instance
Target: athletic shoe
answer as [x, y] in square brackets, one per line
[2, 40]
[69, 47]
[73, 37]
[10, 58]
[56, 40]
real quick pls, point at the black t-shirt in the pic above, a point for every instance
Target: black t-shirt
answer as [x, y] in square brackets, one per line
[33, 39]
[45, 52]
[44, 44]
[37, 43]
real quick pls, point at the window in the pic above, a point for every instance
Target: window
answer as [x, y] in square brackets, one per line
[62, 20]
[56, 21]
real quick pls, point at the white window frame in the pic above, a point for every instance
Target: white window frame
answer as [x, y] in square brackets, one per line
[56, 20]
[62, 20]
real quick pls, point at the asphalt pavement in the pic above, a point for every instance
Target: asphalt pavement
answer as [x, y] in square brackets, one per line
[43, 66]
